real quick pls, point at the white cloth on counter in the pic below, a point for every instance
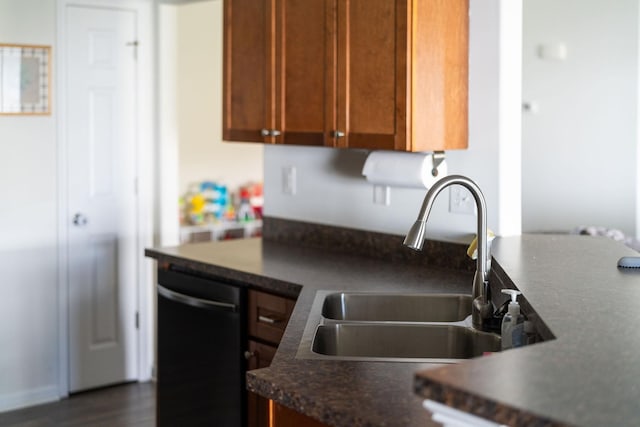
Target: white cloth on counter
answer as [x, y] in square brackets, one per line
[611, 233]
[451, 417]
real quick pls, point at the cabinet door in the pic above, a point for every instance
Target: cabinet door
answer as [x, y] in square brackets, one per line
[304, 34]
[284, 417]
[249, 82]
[372, 74]
[261, 356]
[440, 79]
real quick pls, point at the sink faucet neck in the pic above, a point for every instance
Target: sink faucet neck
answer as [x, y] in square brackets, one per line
[415, 238]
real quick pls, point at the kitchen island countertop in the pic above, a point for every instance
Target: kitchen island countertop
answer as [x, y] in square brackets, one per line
[588, 375]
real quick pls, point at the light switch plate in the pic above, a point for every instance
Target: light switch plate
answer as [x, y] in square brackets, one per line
[289, 180]
[382, 195]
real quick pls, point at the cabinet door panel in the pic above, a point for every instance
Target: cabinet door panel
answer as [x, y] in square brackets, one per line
[247, 60]
[258, 406]
[302, 44]
[372, 73]
[282, 416]
[440, 88]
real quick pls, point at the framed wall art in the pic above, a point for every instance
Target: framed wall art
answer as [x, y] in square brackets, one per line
[25, 79]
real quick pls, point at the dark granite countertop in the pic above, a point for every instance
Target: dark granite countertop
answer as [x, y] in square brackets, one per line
[587, 376]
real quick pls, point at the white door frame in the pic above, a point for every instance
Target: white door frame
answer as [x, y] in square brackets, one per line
[145, 154]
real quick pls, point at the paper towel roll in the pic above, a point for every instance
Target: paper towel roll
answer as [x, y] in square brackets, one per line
[401, 169]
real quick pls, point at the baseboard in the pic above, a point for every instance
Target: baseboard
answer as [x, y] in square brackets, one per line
[11, 401]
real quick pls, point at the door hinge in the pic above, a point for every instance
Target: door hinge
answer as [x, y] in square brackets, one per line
[137, 320]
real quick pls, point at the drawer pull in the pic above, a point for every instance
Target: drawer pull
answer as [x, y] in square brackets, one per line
[269, 320]
[249, 354]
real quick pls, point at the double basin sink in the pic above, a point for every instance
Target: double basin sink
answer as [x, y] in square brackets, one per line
[378, 326]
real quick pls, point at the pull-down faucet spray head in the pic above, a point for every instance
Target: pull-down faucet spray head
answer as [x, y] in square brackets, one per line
[415, 236]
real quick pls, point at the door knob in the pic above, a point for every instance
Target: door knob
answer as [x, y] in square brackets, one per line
[80, 220]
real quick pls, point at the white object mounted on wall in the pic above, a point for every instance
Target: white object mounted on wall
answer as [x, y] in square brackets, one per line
[25, 80]
[553, 51]
[402, 169]
[530, 107]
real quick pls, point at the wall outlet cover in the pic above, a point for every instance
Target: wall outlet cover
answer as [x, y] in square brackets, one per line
[382, 195]
[461, 201]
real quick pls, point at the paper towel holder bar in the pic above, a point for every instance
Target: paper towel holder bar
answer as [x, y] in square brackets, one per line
[438, 158]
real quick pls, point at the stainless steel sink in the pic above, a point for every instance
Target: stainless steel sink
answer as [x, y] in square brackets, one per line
[392, 327]
[353, 306]
[439, 343]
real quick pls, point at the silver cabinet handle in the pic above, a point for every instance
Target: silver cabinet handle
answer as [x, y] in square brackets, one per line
[249, 354]
[270, 132]
[338, 134]
[269, 320]
[80, 220]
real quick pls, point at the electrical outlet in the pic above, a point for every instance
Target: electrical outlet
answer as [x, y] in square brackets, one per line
[382, 195]
[289, 184]
[461, 201]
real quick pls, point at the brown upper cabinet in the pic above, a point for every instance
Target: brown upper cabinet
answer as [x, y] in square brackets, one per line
[373, 74]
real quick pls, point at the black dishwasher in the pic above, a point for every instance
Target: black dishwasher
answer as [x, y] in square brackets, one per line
[201, 368]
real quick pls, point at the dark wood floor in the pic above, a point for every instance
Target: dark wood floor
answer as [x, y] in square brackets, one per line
[129, 405]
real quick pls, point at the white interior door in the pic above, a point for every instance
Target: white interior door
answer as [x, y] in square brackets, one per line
[101, 81]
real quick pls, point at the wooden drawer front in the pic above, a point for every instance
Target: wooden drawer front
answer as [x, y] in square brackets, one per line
[268, 315]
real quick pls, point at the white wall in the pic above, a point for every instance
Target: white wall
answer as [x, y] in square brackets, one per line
[202, 154]
[580, 149]
[332, 191]
[28, 224]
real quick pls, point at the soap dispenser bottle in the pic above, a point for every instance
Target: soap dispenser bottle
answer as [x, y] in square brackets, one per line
[512, 323]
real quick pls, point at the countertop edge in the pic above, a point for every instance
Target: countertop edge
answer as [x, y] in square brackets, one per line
[254, 280]
[297, 401]
[482, 406]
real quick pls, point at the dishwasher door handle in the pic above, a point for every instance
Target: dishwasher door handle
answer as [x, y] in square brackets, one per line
[196, 302]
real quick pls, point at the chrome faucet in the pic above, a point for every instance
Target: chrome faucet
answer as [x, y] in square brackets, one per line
[481, 308]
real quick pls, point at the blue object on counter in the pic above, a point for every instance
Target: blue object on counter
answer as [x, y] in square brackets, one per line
[629, 262]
